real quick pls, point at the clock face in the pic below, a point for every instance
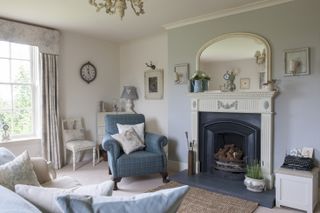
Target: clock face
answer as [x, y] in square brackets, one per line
[88, 72]
[226, 76]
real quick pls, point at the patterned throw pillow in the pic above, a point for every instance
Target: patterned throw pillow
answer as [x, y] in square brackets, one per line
[129, 141]
[5, 156]
[73, 134]
[18, 171]
[139, 128]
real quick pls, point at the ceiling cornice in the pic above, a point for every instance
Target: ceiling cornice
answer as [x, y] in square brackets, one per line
[226, 12]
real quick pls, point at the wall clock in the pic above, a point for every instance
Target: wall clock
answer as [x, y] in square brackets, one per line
[88, 72]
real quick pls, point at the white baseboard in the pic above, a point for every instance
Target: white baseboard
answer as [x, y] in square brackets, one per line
[177, 166]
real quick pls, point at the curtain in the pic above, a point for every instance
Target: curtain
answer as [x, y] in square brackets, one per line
[52, 145]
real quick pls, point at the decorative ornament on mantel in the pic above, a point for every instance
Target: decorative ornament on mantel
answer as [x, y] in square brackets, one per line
[118, 6]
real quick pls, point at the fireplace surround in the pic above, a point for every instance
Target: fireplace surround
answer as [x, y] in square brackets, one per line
[235, 103]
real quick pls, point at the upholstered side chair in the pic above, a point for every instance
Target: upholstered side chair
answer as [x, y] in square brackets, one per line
[73, 133]
[152, 159]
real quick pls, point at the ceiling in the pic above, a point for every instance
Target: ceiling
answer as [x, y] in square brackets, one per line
[80, 17]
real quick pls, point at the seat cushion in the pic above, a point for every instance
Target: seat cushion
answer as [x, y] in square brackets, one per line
[139, 163]
[80, 145]
[12, 202]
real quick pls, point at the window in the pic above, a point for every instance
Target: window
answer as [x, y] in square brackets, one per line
[19, 89]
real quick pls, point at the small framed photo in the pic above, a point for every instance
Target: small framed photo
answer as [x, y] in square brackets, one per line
[244, 83]
[181, 72]
[153, 84]
[296, 62]
[307, 152]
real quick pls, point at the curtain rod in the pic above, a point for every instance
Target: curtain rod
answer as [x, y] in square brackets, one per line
[28, 23]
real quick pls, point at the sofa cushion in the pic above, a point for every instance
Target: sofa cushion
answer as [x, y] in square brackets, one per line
[47, 203]
[12, 202]
[163, 201]
[18, 171]
[129, 141]
[139, 128]
[5, 156]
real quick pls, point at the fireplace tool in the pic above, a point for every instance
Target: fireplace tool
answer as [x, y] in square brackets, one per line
[190, 145]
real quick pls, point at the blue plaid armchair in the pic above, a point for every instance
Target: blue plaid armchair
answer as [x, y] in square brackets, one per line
[150, 160]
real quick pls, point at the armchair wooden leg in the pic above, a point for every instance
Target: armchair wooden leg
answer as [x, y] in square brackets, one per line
[115, 182]
[165, 178]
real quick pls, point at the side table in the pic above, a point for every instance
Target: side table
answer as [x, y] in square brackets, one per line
[297, 189]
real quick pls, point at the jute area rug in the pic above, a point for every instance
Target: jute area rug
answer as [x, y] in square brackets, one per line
[202, 201]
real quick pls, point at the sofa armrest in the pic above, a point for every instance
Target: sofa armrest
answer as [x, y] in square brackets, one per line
[41, 168]
[155, 142]
[52, 171]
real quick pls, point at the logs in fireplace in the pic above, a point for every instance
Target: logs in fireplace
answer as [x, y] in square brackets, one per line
[230, 158]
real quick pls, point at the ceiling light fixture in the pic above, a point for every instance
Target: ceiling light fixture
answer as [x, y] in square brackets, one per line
[118, 6]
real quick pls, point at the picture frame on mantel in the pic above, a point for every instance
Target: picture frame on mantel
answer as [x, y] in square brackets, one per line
[181, 72]
[153, 84]
[296, 62]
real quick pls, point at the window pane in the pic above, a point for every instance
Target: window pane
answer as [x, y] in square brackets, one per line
[22, 122]
[4, 49]
[5, 97]
[20, 51]
[21, 71]
[22, 96]
[5, 118]
[4, 70]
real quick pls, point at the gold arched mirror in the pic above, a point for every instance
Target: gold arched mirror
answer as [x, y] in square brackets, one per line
[246, 55]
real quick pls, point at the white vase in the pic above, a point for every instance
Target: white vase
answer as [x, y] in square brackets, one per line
[255, 185]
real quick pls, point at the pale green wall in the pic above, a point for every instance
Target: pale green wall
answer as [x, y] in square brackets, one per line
[290, 25]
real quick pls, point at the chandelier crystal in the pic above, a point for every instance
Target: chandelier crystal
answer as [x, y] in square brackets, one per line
[118, 6]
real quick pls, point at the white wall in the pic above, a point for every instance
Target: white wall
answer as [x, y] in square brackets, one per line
[133, 56]
[77, 98]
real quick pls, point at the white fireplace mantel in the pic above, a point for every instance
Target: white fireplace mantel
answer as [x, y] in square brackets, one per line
[260, 102]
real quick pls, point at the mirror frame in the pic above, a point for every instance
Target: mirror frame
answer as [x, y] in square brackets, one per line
[240, 34]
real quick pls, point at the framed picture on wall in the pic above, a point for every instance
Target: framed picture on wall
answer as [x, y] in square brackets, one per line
[181, 72]
[244, 83]
[153, 84]
[296, 62]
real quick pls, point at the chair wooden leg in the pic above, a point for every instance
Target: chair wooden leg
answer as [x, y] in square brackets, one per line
[115, 182]
[165, 178]
[94, 156]
[74, 160]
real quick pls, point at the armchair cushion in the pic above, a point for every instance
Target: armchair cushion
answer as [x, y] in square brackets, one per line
[139, 128]
[129, 140]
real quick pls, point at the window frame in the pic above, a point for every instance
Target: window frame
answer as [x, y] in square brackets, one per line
[35, 91]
